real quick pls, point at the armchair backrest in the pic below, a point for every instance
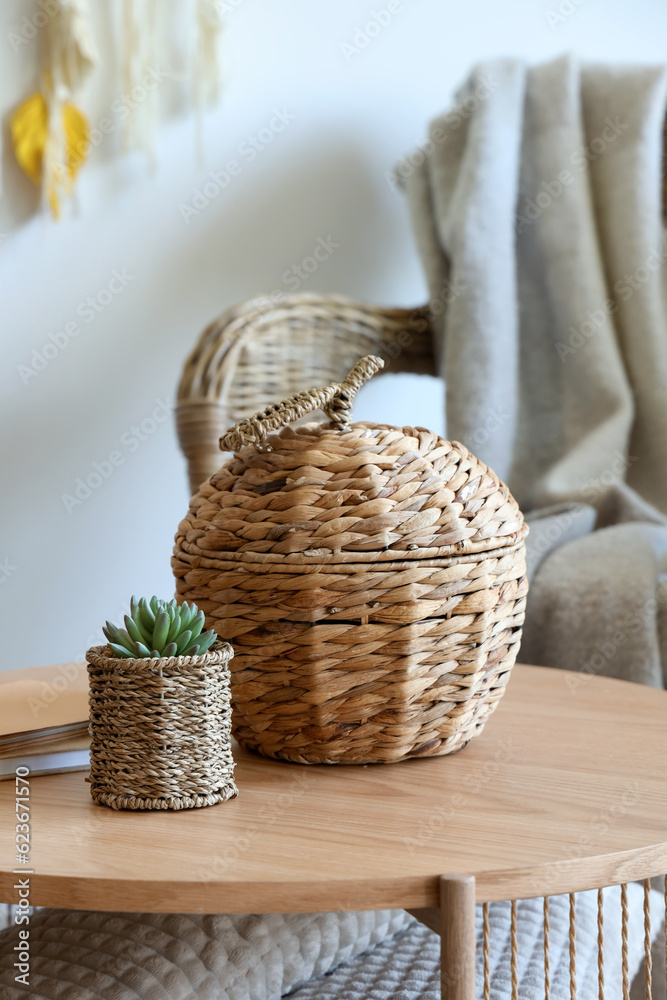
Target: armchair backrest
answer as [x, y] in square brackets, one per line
[260, 352]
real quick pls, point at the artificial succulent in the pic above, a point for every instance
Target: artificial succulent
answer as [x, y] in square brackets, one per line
[160, 628]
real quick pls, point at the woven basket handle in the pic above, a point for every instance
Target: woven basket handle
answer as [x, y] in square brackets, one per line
[335, 400]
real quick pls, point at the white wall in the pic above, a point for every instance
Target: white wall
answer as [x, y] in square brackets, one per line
[64, 572]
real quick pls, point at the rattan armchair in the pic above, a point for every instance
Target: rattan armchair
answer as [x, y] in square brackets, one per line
[261, 351]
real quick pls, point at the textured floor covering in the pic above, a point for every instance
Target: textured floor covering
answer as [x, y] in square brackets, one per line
[374, 955]
[408, 967]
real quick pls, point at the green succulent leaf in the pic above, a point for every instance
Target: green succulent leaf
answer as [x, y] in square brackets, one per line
[206, 640]
[146, 616]
[135, 632]
[126, 638]
[174, 629]
[161, 630]
[120, 637]
[156, 628]
[197, 624]
[121, 651]
[189, 614]
[183, 640]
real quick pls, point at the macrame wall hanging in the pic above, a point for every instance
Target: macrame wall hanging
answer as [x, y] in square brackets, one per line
[49, 131]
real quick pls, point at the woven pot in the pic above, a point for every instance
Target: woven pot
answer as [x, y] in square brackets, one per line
[160, 730]
[372, 580]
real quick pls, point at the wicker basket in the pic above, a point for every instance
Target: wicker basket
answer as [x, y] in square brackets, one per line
[371, 578]
[160, 730]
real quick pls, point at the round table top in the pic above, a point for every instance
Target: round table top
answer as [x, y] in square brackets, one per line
[564, 790]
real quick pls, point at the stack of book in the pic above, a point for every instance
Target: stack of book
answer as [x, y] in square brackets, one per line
[44, 722]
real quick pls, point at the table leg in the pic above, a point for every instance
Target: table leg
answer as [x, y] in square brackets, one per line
[457, 937]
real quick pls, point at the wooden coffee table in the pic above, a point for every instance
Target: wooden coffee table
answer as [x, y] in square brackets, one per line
[565, 790]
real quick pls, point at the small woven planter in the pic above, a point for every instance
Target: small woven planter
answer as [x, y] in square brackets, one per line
[372, 580]
[160, 730]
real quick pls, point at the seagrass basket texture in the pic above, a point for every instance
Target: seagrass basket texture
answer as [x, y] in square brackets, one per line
[160, 730]
[371, 578]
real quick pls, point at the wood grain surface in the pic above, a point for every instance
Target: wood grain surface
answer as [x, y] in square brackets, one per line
[564, 790]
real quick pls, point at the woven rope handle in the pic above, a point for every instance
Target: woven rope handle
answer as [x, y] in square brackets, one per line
[335, 400]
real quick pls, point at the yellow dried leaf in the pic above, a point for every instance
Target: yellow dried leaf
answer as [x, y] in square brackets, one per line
[29, 130]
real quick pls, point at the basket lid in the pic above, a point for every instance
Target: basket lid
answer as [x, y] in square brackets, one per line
[345, 492]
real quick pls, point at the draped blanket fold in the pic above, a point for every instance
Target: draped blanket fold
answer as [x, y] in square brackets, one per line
[537, 208]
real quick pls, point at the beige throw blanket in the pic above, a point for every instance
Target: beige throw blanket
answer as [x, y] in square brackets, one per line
[537, 207]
